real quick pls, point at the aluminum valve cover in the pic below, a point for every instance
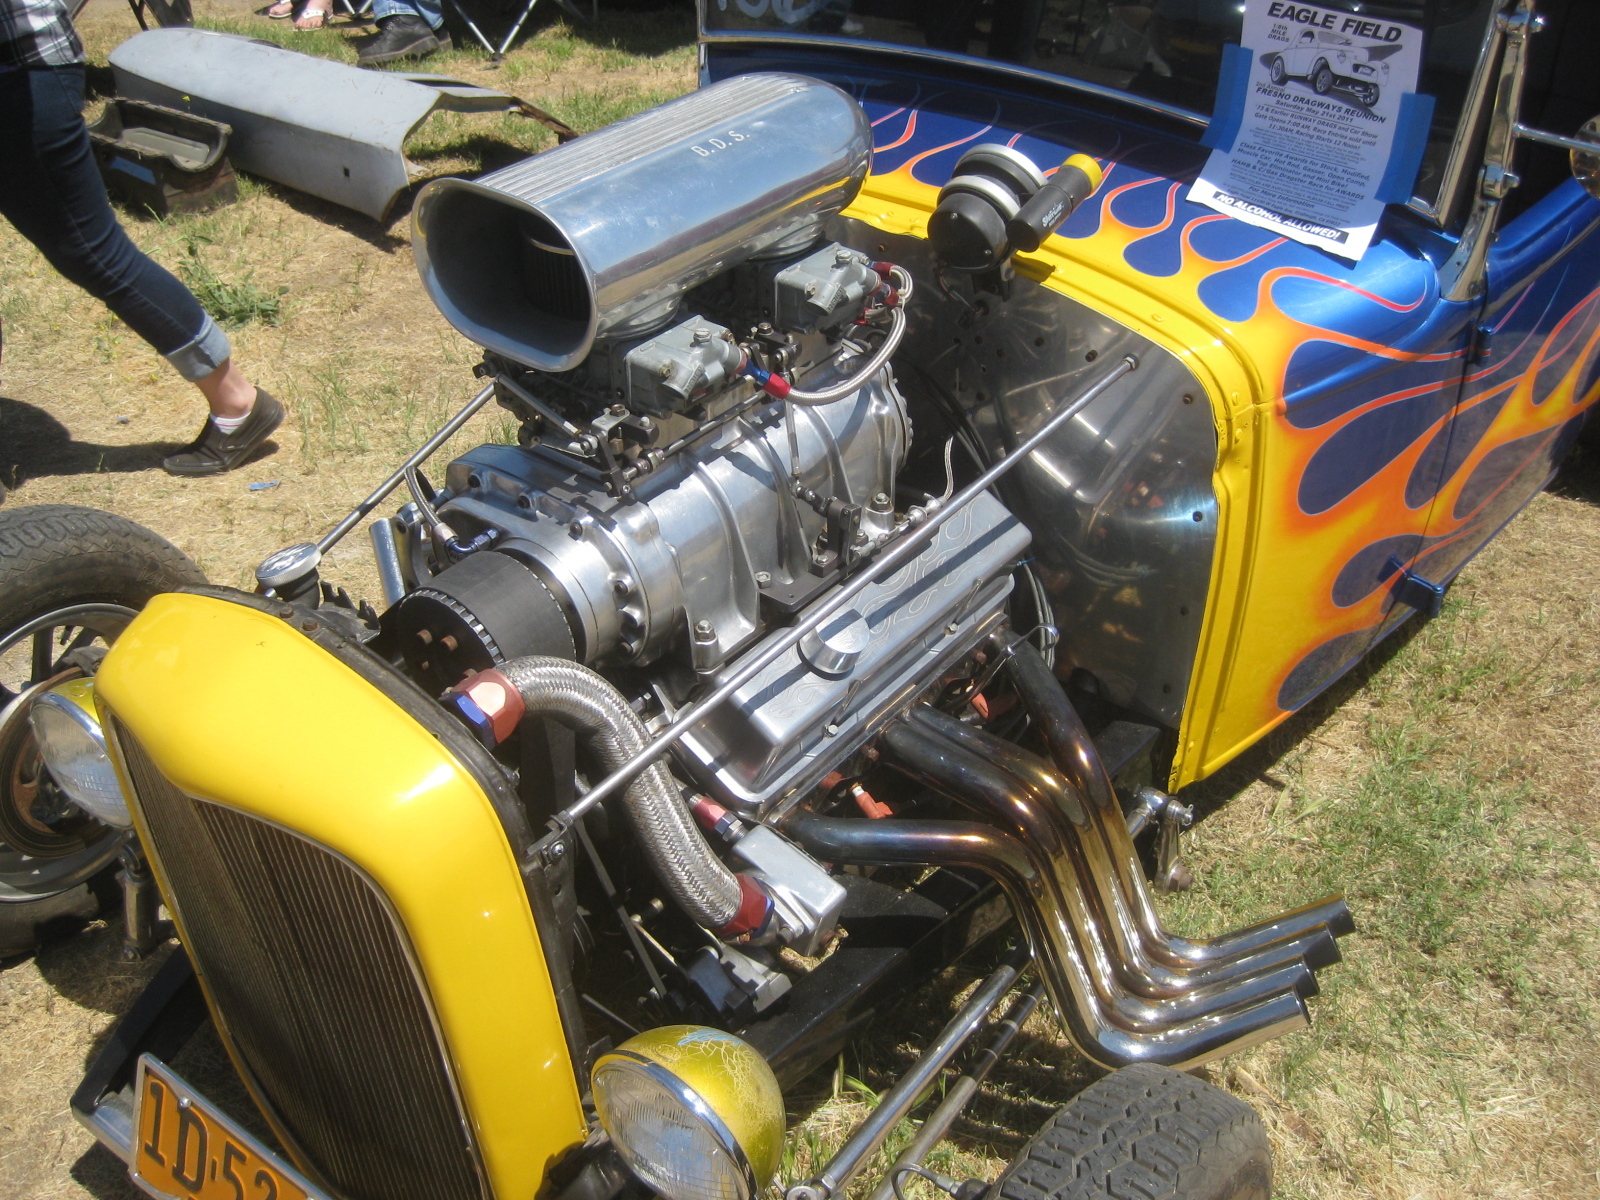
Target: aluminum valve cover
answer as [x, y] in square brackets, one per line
[777, 736]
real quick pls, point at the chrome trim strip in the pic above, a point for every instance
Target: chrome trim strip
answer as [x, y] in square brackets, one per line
[758, 37]
[692, 1100]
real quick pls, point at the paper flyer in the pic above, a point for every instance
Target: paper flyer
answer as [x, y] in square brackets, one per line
[1316, 124]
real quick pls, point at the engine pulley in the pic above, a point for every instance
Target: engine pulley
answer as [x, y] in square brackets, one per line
[484, 610]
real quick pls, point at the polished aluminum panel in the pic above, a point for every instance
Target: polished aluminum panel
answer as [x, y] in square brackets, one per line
[1120, 501]
[537, 260]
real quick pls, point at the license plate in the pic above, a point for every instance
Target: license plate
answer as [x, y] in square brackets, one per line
[184, 1149]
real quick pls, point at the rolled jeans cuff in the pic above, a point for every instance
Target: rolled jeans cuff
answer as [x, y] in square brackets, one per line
[431, 11]
[202, 356]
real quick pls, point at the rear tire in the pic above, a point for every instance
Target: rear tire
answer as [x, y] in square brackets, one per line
[70, 581]
[1145, 1131]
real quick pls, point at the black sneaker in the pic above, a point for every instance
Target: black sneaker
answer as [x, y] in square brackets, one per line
[403, 35]
[214, 452]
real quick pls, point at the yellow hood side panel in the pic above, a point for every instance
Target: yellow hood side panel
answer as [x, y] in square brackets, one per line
[237, 707]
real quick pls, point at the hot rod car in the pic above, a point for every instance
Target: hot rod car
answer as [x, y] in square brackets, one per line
[1330, 60]
[912, 492]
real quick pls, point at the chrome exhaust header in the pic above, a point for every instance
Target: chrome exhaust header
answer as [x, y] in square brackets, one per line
[1056, 840]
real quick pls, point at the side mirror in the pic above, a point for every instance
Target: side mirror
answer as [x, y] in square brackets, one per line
[1584, 149]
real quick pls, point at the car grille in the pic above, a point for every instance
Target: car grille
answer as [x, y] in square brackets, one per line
[313, 983]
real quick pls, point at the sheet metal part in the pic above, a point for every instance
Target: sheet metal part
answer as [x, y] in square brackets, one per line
[892, 558]
[520, 264]
[898, 1100]
[1120, 500]
[318, 126]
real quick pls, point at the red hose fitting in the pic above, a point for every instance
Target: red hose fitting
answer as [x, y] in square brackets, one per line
[868, 804]
[715, 819]
[488, 705]
[755, 910]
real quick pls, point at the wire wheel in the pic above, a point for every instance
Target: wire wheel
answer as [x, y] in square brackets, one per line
[71, 579]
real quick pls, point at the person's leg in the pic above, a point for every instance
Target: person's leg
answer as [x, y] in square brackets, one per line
[51, 191]
[431, 11]
[406, 29]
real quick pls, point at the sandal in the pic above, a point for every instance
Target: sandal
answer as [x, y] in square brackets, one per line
[312, 19]
[282, 10]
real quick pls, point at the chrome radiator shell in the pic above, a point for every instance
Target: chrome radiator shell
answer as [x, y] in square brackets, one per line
[627, 219]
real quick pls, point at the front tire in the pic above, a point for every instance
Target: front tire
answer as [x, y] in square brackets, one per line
[70, 581]
[1322, 79]
[1146, 1131]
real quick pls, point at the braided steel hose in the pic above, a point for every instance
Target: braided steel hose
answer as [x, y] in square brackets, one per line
[584, 702]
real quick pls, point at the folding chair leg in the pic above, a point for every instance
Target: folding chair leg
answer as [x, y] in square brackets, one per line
[516, 29]
[497, 55]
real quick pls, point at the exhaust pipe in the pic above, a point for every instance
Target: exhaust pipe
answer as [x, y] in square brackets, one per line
[1070, 917]
[1127, 989]
[1057, 812]
[1073, 753]
[1025, 874]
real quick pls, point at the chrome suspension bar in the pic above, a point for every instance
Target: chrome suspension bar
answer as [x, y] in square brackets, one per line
[961, 1093]
[892, 557]
[898, 1100]
[421, 455]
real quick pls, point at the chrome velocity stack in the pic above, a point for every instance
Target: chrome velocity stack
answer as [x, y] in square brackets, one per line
[604, 234]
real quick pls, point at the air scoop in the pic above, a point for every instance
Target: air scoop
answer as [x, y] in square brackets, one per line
[602, 236]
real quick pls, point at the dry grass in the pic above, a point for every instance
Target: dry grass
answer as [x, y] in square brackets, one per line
[1449, 787]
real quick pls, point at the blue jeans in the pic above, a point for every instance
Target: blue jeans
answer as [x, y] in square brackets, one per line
[431, 11]
[51, 190]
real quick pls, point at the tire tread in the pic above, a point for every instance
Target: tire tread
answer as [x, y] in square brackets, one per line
[1145, 1132]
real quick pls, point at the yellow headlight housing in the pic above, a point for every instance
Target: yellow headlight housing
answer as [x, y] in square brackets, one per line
[695, 1112]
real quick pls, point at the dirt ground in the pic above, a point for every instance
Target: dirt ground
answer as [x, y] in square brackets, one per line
[1448, 787]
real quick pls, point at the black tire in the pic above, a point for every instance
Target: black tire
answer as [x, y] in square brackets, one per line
[1146, 1131]
[1280, 73]
[70, 580]
[1321, 79]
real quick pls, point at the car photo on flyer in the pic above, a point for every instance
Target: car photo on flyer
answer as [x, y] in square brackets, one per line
[1316, 125]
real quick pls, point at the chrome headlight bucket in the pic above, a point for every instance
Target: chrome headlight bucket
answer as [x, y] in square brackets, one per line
[74, 749]
[696, 1113]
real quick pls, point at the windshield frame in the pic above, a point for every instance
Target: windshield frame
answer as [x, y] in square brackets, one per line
[1439, 213]
[968, 62]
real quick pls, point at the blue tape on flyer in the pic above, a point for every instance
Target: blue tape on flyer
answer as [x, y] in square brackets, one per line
[1410, 140]
[1233, 86]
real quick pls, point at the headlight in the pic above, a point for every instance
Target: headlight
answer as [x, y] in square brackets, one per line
[696, 1113]
[74, 748]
